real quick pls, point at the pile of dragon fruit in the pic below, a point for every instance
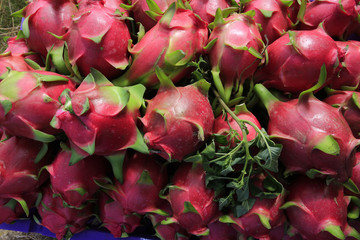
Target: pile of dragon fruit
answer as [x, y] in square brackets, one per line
[203, 119]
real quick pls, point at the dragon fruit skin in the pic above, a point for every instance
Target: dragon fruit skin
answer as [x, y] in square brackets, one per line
[98, 39]
[221, 126]
[169, 231]
[349, 76]
[140, 7]
[347, 102]
[295, 60]
[76, 183]
[313, 207]
[355, 177]
[21, 161]
[60, 219]
[29, 100]
[43, 17]
[16, 63]
[272, 16]
[19, 47]
[175, 126]
[335, 16]
[206, 9]
[110, 4]
[11, 209]
[193, 205]
[315, 131]
[164, 46]
[98, 118]
[143, 178]
[230, 58]
[219, 230]
[114, 218]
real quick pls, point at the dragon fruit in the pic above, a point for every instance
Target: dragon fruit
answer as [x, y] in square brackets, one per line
[18, 47]
[164, 46]
[355, 177]
[235, 55]
[348, 104]
[137, 193]
[264, 216]
[43, 17]
[354, 28]
[143, 178]
[110, 4]
[193, 205]
[12, 209]
[98, 38]
[221, 126]
[219, 230]
[316, 209]
[206, 9]
[114, 219]
[349, 76]
[315, 136]
[76, 183]
[164, 230]
[14, 57]
[178, 120]
[272, 17]
[295, 60]
[59, 219]
[148, 14]
[9, 61]
[336, 16]
[21, 161]
[29, 100]
[98, 118]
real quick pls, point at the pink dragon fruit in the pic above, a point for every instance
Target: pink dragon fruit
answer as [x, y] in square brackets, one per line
[354, 28]
[264, 216]
[148, 14]
[76, 183]
[164, 46]
[221, 126]
[219, 230]
[12, 209]
[29, 100]
[59, 219]
[14, 57]
[336, 16]
[315, 136]
[348, 104]
[272, 17]
[164, 230]
[18, 47]
[142, 179]
[17, 63]
[206, 9]
[114, 219]
[43, 17]
[234, 56]
[349, 76]
[98, 118]
[98, 38]
[355, 177]
[193, 205]
[111, 4]
[138, 193]
[178, 120]
[295, 60]
[316, 209]
[21, 161]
